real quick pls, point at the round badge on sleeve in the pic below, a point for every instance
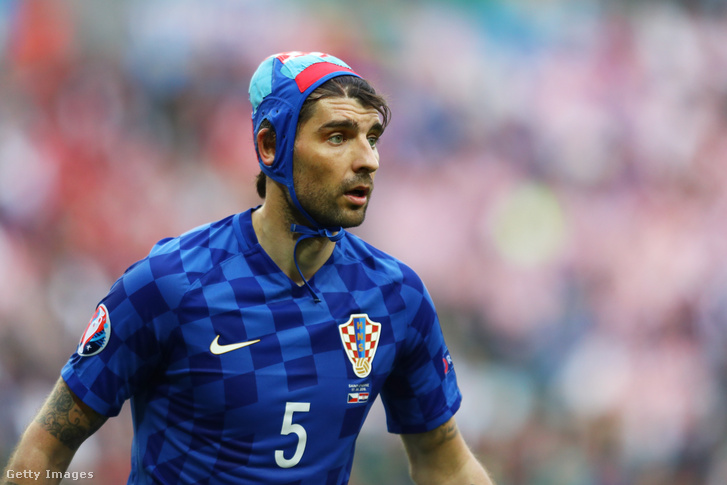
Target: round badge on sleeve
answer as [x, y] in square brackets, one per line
[97, 333]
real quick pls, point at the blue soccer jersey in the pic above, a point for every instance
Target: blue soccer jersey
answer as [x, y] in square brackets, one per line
[236, 375]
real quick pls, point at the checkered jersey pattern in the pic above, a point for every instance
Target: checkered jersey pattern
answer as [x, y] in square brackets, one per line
[275, 410]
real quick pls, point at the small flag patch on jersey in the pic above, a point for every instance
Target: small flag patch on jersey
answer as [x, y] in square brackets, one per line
[360, 337]
[97, 333]
[447, 363]
[357, 397]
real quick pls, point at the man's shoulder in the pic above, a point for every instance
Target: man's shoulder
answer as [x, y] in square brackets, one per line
[199, 248]
[176, 262]
[379, 261]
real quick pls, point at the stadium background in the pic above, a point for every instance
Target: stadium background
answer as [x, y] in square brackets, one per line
[555, 171]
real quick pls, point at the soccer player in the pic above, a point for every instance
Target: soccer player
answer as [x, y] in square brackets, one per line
[252, 348]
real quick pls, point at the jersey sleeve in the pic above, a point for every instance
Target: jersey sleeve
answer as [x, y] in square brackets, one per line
[421, 393]
[103, 374]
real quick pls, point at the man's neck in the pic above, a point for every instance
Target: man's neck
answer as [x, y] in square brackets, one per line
[272, 228]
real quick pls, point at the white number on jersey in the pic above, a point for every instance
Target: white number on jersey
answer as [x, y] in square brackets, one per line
[288, 428]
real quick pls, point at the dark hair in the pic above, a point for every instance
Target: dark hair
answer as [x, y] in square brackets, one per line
[346, 87]
[341, 86]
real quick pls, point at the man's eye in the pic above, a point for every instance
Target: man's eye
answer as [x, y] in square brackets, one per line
[373, 140]
[336, 139]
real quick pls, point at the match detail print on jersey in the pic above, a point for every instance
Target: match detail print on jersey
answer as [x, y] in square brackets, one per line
[360, 337]
[219, 349]
[97, 333]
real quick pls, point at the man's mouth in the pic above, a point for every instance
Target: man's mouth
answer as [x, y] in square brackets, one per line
[359, 191]
[358, 195]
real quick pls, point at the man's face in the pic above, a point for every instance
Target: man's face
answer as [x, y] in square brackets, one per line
[335, 159]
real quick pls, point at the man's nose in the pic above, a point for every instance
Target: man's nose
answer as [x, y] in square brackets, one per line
[366, 157]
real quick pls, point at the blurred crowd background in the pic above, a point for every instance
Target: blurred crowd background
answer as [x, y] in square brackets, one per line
[556, 171]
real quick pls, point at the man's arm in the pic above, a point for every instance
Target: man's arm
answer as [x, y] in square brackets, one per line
[51, 440]
[442, 457]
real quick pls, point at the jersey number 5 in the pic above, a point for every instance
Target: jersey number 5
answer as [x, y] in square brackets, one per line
[289, 428]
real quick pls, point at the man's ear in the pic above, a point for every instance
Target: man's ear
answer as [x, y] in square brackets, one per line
[266, 146]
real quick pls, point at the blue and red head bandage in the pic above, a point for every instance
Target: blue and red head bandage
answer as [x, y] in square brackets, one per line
[278, 89]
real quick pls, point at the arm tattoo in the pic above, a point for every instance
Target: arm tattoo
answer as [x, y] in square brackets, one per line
[447, 432]
[65, 420]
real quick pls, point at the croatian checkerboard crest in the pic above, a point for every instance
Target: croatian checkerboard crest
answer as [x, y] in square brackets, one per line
[360, 337]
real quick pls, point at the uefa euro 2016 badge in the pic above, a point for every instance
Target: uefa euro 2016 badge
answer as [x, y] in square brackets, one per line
[360, 338]
[97, 333]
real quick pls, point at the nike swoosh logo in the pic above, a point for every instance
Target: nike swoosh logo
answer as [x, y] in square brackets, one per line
[218, 349]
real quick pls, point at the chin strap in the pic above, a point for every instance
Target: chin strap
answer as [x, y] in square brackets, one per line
[333, 234]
